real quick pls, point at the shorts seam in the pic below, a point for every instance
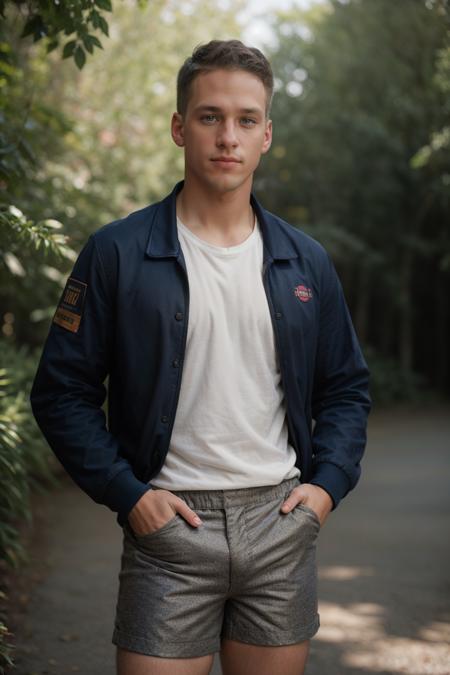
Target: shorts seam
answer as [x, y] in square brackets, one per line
[171, 649]
[247, 533]
[236, 632]
[174, 642]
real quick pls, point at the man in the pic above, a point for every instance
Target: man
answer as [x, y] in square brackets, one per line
[225, 333]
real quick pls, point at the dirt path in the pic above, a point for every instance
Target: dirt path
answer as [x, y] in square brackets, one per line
[384, 565]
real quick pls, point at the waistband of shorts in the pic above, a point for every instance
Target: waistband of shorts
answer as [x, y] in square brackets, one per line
[219, 499]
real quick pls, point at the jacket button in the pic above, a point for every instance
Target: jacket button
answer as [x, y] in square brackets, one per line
[178, 316]
[176, 363]
[164, 418]
[278, 315]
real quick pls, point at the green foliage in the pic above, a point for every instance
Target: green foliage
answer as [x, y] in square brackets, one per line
[53, 21]
[360, 159]
[19, 234]
[434, 157]
[15, 491]
[15, 150]
[26, 464]
[25, 245]
[29, 132]
[24, 455]
[29, 255]
[6, 648]
[391, 384]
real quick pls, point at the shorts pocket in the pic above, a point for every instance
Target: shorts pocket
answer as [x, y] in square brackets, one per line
[151, 535]
[308, 510]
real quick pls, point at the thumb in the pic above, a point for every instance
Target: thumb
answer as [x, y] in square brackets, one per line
[292, 500]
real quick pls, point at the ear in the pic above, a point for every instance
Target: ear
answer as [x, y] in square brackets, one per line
[177, 129]
[267, 142]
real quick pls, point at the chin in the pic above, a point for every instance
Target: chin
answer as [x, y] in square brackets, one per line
[227, 183]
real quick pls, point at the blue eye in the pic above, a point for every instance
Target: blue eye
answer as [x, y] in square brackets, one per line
[208, 118]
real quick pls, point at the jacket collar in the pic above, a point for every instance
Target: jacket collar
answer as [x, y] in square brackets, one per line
[163, 239]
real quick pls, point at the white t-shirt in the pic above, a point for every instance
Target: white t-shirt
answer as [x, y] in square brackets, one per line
[230, 428]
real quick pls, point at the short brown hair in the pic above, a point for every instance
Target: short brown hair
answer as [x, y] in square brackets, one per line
[227, 54]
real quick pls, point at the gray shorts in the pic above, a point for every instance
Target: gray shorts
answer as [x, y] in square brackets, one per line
[248, 573]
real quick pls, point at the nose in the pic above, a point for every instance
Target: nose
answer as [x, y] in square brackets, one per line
[226, 136]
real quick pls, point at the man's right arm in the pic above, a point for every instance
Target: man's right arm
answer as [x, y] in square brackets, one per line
[68, 390]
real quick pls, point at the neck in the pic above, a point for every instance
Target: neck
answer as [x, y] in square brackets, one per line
[223, 212]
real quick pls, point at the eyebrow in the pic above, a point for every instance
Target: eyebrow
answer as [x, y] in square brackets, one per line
[213, 108]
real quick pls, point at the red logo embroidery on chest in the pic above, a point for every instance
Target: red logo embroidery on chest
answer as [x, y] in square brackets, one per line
[303, 293]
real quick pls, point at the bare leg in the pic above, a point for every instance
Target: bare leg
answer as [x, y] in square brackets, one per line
[132, 663]
[239, 658]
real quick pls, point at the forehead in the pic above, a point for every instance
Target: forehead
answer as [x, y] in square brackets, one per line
[227, 88]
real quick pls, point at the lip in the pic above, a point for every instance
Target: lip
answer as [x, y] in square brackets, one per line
[226, 160]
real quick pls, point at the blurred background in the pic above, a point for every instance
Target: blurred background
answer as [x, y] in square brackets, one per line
[360, 160]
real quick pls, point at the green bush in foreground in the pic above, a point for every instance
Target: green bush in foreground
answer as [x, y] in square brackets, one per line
[26, 465]
[25, 459]
[5, 646]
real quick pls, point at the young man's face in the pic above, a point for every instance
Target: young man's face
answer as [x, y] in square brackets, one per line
[224, 130]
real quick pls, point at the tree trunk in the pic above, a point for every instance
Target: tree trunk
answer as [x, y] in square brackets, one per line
[406, 305]
[362, 303]
[441, 333]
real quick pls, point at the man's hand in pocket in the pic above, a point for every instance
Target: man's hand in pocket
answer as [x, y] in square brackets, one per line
[155, 508]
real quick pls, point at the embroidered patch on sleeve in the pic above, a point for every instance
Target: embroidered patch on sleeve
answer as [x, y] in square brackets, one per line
[70, 309]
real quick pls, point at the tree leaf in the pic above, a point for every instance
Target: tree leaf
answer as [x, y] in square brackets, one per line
[80, 57]
[31, 25]
[95, 16]
[104, 25]
[88, 43]
[96, 41]
[104, 4]
[69, 48]
[52, 45]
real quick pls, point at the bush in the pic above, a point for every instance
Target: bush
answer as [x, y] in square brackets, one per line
[389, 383]
[26, 464]
[25, 459]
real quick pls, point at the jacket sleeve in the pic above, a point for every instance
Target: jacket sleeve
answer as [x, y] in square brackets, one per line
[340, 400]
[68, 389]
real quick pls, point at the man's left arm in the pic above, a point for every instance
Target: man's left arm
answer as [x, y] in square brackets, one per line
[340, 404]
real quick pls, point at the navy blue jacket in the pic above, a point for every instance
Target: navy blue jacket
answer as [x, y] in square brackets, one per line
[124, 314]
